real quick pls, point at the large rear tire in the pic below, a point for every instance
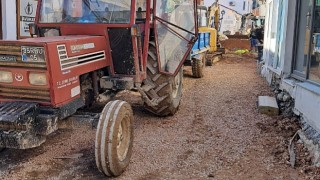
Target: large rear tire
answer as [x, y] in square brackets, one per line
[161, 93]
[114, 138]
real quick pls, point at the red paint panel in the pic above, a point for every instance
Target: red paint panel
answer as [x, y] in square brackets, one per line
[65, 81]
[63, 84]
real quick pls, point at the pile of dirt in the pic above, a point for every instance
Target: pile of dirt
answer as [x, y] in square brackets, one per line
[282, 130]
[235, 44]
[232, 57]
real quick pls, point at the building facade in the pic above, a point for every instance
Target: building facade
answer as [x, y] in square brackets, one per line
[259, 7]
[231, 21]
[292, 54]
[232, 11]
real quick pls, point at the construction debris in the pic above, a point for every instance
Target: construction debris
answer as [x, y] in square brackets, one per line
[268, 105]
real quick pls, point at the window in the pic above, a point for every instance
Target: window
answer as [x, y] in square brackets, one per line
[232, 3]
[279, 41]
[244, 5]
[175, 26]
[314, 73]
[85, 11]
[202, 17]
[307, 42]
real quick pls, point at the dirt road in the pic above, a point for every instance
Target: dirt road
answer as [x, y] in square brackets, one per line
[217, 134]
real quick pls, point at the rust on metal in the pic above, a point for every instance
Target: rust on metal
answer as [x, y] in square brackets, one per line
[10, 48]
[11, 53]
[42, 94]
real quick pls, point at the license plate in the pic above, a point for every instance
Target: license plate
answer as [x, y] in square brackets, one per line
[32, 54]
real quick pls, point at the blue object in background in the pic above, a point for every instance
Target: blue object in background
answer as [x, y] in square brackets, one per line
[201, 41]
[318, 40]
[317, 43]
[207, 40]
[195, 47]
[202, 44]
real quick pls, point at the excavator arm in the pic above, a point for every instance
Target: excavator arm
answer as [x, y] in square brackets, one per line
[214, 16]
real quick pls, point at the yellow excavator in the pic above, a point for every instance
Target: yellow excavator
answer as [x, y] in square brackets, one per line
[213, 26]
[206, 49]
[213, 18]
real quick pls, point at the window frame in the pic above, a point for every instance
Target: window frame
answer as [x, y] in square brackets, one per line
[38, 18]
[295, 73]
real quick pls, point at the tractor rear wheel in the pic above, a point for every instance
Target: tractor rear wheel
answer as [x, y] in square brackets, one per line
[198, 66]
[161, 93]
[114, 138]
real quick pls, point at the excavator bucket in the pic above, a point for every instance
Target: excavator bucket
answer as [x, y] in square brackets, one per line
[175, 31]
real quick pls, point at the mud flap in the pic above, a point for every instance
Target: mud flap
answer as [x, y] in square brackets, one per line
[21, 127]
[16, 121]
[25, 125]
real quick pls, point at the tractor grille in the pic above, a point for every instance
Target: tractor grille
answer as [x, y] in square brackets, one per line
[70, 62]
[10, 56]
[25, 94]
[122, 51]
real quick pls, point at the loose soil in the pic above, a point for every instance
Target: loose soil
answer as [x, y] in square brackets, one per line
[236, 44]
[217, 134]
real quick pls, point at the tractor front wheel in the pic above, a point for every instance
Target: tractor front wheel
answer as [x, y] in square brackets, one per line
[114, 138]
[161, 93]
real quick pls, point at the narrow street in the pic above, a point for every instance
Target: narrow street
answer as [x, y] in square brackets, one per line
[217, 134]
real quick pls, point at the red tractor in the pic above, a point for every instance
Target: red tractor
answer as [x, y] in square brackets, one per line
[80, 49]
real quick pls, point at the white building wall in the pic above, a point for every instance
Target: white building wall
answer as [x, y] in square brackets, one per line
[232, 19]
[276, 22]
[9, 20]
[263, 9]
[238, 5]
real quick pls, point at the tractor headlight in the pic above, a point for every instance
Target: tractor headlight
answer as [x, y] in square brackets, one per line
[6, 77]
[32, 54]
[38, 79]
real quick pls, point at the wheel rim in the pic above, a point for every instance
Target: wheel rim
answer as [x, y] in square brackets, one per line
[176, 85]
[123, 139]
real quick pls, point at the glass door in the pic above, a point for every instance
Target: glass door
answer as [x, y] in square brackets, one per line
[314, 74]
[279, 40]
[175, 28]
[303, 31]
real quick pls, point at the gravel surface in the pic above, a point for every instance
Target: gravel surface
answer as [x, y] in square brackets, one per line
[216, 134]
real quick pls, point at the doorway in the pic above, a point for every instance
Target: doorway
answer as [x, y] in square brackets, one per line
[307, 56]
